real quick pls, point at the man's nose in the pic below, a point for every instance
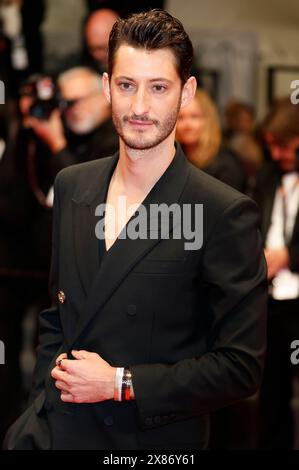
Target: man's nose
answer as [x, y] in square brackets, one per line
[140, 104]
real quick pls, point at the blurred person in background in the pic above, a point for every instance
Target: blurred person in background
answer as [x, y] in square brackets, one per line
[277, 194]
[21, 21]
[6, 69]
[240, 135]
[199, 133]
[16, 276]
[20, 54]
[239, 118]
[80, 129]
[96, 35]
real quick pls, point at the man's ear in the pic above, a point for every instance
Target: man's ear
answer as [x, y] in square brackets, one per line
[106, 86]
[188, 91]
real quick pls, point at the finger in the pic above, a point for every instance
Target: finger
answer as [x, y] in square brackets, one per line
[80, 354]
[33, 121]
[60, 358]
[271, 273]
[64, 387]
[55, 113]
[67, 397]
[59, 374]
[69, 366]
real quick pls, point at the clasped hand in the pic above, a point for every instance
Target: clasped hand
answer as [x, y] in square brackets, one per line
[86, 379]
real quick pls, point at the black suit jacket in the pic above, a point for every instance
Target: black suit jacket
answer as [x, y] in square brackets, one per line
[191, 324]
[268, 180]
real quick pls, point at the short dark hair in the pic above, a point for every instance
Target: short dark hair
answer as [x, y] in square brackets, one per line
[282, 120]
[154, 29]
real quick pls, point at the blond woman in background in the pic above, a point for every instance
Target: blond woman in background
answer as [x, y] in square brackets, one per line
[199, 133]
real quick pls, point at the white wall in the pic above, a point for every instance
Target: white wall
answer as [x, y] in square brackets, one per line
[275, 23]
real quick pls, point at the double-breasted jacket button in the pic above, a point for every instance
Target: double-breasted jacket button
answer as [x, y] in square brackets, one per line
[109, 421]
[61, 296]
[131, 309]
[148, 421]
[157, 419]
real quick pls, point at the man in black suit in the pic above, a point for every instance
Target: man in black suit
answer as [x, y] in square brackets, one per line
[277, 194]
[162, 327]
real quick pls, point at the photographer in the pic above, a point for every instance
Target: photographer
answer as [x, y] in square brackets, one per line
[80, 129]
[277, 194]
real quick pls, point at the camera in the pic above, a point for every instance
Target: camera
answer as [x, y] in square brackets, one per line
[44, 94]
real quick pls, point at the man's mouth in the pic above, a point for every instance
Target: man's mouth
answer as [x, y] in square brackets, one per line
[140, 123]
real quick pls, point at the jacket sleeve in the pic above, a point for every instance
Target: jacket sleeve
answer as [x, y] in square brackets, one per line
[235, 288]
[50, 333]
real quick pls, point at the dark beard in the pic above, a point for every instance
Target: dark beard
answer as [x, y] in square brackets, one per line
[164, 129]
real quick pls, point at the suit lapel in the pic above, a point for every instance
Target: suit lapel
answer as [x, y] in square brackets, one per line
[84, 222]
[125, 253]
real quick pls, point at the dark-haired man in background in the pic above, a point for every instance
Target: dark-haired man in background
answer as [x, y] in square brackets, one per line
[277, 194]
[159, 334]
[96, 36]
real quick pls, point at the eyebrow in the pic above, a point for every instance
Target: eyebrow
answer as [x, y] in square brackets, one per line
[158, 79]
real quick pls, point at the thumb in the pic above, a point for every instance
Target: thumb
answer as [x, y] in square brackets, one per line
[55, 114]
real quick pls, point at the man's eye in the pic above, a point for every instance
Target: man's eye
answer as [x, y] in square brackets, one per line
[125, 86]
[159, 88]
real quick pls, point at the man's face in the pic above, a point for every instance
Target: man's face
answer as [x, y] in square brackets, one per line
[145, 92]
[97, 44]
[244, 122]
[283, 154]
[88, 104]
[97, 35]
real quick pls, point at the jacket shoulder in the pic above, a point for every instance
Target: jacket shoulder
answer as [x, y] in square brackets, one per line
[206, 189]
[80, 171]
[80, 179]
